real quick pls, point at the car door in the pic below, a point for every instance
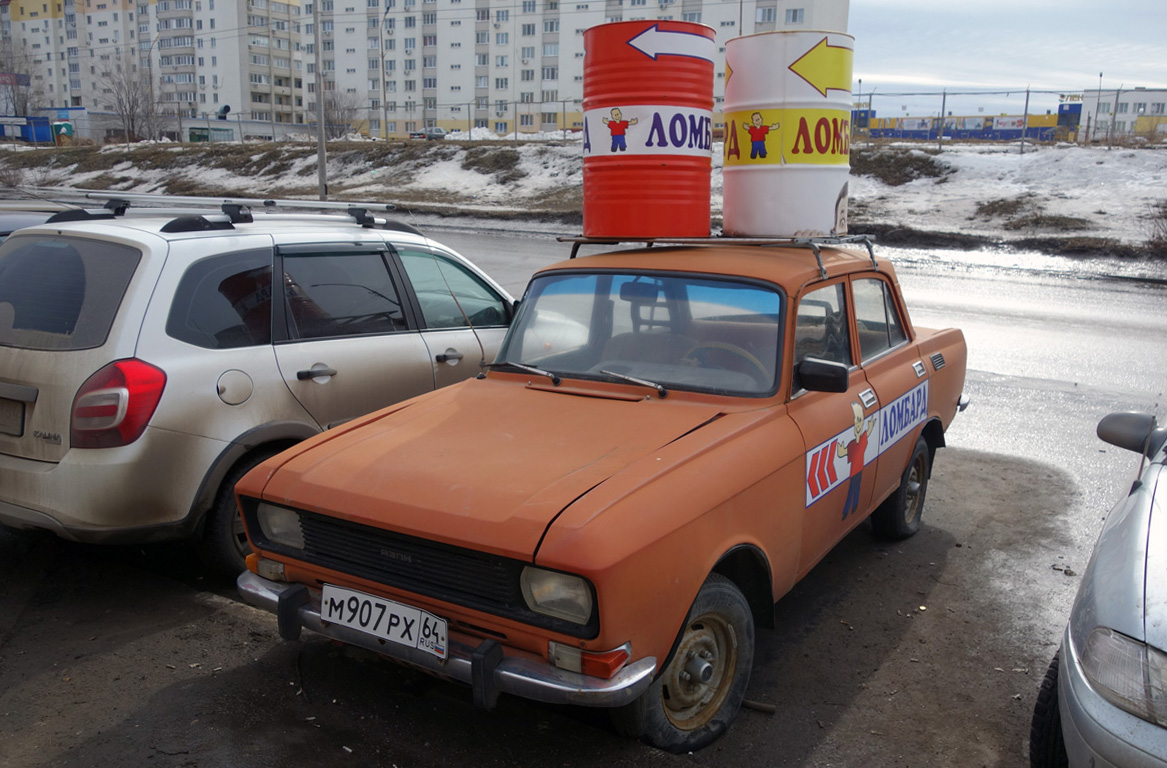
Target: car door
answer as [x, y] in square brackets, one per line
[344, 339]
[897, 375]
[463, 317]
[837, 427]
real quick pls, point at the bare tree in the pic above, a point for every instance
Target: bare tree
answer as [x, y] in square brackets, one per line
[21, 92]
[133, 95]
[341, 111]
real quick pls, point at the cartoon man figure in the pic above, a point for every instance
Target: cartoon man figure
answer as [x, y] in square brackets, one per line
[618, 126]
[854, 452]
[758, 135]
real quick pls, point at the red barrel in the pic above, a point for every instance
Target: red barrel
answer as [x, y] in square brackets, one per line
[648, 126]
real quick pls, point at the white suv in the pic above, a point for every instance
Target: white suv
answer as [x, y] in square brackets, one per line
[145, 367]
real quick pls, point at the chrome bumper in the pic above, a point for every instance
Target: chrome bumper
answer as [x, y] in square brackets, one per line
[483, 667]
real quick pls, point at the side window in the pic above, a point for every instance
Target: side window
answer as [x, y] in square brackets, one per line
[224, 302]
[342, 294]
[878, 323]
[450, 294]
[821, 326]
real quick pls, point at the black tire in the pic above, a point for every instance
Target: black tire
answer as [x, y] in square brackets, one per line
[697, 695]
[898, 517]
[1047, 746]
[224, 546]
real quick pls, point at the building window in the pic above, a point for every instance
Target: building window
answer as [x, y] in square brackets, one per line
[550, 73]
[501, 84]
[795, 15]
[501, 16]
[550, 49]
[763, 16]
[551, 25]
[528, 30]
[694, 17]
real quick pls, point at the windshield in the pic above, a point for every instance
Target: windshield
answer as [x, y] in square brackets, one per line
[679, 331]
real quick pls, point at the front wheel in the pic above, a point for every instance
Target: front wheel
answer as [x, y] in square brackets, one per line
[899, 516]
[1047, 745]
[698, 693]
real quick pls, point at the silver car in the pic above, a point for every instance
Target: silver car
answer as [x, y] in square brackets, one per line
[146, 363]
[1103, 701]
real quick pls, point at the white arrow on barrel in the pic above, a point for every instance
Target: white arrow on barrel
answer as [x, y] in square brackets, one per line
[654, 42]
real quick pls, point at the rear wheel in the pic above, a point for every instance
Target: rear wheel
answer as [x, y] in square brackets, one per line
[224, 546]
[698, 693]
[1047, 746]
[899, 516]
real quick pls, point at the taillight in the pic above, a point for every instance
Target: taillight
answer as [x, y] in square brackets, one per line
[114, 405]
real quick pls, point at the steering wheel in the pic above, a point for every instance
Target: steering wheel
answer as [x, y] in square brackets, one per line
[759, 372]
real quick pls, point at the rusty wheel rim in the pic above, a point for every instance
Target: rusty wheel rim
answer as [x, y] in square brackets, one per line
[699, 678]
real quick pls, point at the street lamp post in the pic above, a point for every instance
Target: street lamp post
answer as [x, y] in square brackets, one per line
[384, 76]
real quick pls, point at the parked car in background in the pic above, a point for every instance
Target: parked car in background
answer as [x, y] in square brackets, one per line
[432, 133]
[151, 361]
[670, 438]
[1103, 701]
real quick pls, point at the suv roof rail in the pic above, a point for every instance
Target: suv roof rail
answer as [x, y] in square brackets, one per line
[234, 206]
[80, 214]
[199, 223]
[815, 244]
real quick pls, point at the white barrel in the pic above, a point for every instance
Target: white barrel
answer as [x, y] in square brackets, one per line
[787, 134]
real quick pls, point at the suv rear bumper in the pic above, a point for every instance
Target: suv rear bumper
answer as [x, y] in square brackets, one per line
[482, 667]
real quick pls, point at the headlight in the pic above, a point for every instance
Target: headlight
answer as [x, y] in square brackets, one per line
[1129, 674]
[557, 594]
[280, 525]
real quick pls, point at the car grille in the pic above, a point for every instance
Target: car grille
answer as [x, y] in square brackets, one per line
[465, 577]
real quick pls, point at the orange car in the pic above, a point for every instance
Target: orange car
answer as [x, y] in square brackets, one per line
[669, 439]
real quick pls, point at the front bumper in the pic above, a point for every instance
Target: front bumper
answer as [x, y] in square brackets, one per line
[483, 667]
[1097, 733]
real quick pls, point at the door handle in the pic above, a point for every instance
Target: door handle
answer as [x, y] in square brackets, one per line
[448, 355]
[314, 372]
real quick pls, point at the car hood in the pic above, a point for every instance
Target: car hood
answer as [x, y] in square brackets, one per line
[487, 463]
[1156, 596]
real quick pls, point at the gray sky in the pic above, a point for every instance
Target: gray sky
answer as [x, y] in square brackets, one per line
[971, 45]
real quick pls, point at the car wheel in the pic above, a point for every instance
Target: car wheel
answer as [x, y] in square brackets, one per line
[224, 546]
[1047, 747]
[695, 697]
[899, 516]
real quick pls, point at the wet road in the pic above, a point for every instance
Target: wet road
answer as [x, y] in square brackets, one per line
[129, 657]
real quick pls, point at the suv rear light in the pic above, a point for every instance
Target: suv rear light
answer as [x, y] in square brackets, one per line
[114, 405]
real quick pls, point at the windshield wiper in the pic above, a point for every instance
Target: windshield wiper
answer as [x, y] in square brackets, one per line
[529, 369]
[660, 389]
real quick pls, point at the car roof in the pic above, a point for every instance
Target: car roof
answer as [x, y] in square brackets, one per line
[787, 264]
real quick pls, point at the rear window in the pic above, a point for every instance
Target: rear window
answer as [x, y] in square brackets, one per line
[61, 293]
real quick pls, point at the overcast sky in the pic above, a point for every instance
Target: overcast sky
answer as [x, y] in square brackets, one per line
[969, 45]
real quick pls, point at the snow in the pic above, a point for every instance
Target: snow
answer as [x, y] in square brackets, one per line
[1112, 191]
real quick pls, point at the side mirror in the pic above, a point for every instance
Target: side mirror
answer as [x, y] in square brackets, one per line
[1133, 431]
[823, 375]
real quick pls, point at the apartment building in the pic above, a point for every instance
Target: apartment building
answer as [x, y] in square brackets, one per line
[1108, 114]
[380, 67]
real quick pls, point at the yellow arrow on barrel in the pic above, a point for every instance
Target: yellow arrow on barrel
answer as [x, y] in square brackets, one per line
[825, 67]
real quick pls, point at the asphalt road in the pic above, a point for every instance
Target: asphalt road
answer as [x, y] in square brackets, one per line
[926, 652]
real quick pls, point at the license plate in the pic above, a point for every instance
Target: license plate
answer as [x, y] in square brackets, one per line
[385, 619]
[11, 417]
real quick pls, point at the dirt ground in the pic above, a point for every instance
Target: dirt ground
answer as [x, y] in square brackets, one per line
[921, 653]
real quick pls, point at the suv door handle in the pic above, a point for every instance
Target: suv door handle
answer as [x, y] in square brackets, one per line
[449, 354]
[314, 372]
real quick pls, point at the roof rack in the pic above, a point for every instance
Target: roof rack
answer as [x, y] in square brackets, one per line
[815, 244]
[239, 208]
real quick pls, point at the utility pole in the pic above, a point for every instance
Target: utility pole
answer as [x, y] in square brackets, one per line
[321, 152]
[940, 133]
[1025, 120]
